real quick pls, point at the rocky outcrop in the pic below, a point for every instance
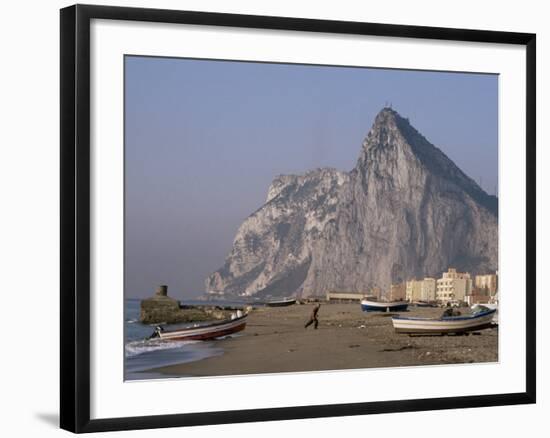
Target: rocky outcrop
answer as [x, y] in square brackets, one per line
[161, 308]
[405, 210]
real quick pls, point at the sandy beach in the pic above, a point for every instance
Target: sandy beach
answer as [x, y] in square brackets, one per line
[347, 338]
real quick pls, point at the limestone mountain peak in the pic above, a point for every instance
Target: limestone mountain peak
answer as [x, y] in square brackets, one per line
[394, 145]
[405, 210]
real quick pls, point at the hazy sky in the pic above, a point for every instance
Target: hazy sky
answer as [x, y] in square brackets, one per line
[204, 139]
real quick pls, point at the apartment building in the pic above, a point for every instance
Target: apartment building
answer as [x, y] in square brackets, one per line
[453, 286]
[397, 292]
[488, 282]
[421, 290]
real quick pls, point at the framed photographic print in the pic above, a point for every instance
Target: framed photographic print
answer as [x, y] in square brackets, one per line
[289, 218]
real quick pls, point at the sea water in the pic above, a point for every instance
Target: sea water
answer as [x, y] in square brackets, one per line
[142, 355]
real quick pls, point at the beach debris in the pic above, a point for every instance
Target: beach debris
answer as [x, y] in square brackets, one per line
[353, 345]
[404, 347]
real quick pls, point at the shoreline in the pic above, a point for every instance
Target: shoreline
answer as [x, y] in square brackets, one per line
[276, 341]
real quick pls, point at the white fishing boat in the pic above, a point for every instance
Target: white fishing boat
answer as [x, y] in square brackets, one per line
[383, 306]
[478, 307]
[445, 324]
[281, 303]
[202, 331]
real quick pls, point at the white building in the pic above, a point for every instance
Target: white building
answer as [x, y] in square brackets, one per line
[488, 282]
[413, 289]
[428, 289]
[397, 292]
[421, 290]
[453, 286]
[345, 296]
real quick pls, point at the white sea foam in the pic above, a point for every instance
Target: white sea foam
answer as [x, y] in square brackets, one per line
[136, 348]
[232, 335]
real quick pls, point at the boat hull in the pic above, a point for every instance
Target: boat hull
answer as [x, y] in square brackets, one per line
[281, 303]
[489, 306]
[422, 304]
[375, 306]
[443, 325]
[206, 332]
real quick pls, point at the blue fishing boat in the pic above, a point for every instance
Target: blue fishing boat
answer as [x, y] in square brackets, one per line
[381, 306]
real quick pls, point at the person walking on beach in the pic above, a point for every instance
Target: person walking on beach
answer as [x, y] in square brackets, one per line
[313, 317]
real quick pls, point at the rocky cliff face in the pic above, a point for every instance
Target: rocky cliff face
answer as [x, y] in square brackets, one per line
[406, 210]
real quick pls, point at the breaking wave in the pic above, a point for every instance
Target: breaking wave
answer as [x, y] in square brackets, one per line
[135, 348]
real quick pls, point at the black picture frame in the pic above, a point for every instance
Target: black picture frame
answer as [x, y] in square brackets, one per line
[75, 217]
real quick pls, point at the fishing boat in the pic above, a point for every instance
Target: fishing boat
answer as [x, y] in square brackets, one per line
[382, 306]
[202, 332]
[446, 324]
[281, 303]
[423, 304]
[478, 307]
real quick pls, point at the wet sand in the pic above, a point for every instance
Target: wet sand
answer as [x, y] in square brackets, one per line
[347, 338]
